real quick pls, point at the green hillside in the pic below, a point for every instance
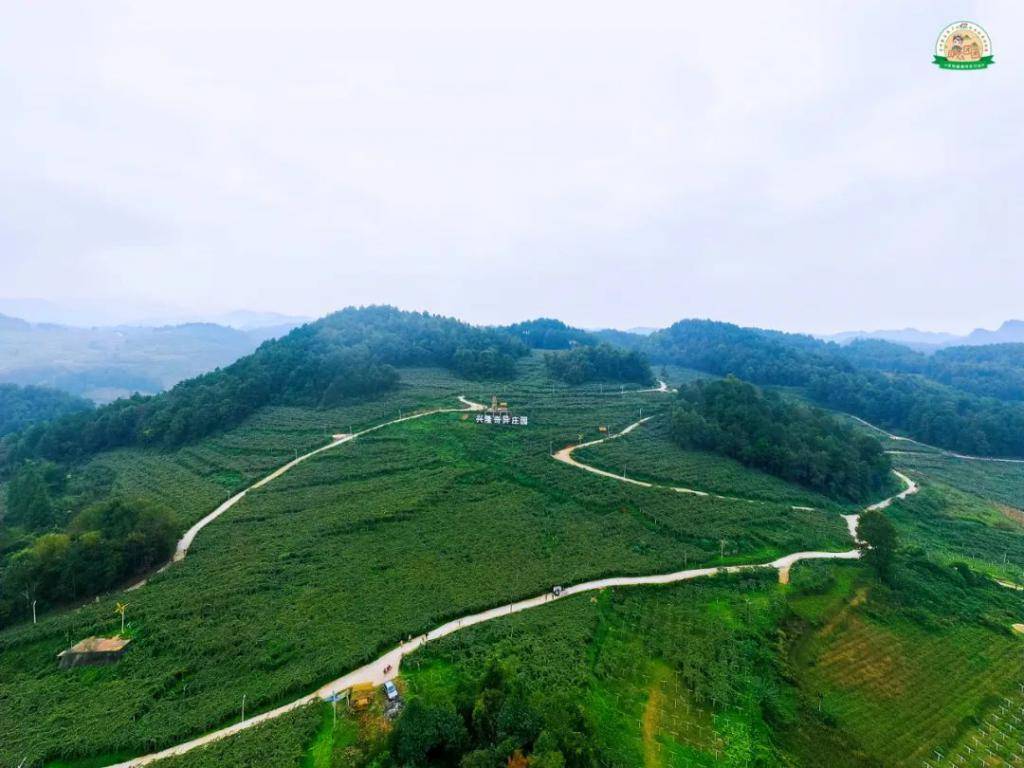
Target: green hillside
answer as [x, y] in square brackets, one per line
[384, 537]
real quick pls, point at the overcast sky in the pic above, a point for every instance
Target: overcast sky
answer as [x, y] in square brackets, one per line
[792, 165]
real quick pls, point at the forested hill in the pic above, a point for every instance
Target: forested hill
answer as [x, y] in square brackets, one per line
[351, 352]
[545, 333]
[850, 380]
[792, 441]
[23, 406]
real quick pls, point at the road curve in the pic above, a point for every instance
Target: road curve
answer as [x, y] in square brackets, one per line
[181, 549]
[943, 451]
[374, 672]
[565, 456]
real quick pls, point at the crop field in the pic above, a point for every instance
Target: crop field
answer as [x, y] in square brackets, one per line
[282, 743]
[195, 479]
[996, 480]
[666, 676]
[996, 742]
[358, 548]
[899, 680]
[648, 453]
[955, 526]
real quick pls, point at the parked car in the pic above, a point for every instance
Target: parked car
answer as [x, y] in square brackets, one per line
[391, 691]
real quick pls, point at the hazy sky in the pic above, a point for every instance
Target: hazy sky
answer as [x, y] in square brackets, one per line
[794, 165]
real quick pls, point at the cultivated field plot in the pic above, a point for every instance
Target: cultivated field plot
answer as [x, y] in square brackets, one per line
[648, 453]
[997, 480]
[897, 687]
[960, 527]
[666, 676]
[996, 742]
[362, 546]
[286, 741]
[194, 479]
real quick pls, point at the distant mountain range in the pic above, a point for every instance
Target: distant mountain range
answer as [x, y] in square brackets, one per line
[88, 314]
[1012, 331]
[104, 363]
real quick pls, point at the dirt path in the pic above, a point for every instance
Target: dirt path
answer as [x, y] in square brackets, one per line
[181, 549]
[662, 387]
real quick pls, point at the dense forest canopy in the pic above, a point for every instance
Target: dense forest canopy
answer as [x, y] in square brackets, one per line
[545, 333]
[925, 409]
[105, 544]
[994, 370]
[349, 353]
[23, 406]
[600, 363]
[881, 355]
[790, 440]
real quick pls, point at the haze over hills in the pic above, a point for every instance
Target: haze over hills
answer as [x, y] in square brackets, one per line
[104, 363]
[88, 314]
[1011, 331]
[394, 489]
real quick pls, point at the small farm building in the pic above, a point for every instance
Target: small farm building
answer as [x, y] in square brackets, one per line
[94, 650]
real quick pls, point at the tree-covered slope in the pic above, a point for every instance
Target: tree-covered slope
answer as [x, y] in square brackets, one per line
[800, 444]
[351, 352]
[925, 409]
[23, 406]
[599, 363]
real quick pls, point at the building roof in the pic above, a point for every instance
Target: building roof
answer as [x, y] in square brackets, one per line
[98, 645]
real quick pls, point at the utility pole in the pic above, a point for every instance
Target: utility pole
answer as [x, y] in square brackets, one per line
[243, 707]
[34, 614]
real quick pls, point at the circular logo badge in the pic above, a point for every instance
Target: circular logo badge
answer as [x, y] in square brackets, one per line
[963, 45]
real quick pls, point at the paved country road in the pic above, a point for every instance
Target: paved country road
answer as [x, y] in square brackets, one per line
[374, 672]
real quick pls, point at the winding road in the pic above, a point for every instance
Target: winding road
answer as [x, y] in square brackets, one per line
[565, 456]
[181, 549]
[374, 672]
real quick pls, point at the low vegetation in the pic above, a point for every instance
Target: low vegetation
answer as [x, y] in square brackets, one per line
[392, 534]
[649, 453]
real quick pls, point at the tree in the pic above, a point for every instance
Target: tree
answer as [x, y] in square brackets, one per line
[28, 499]
[428, 734]
[880, 542]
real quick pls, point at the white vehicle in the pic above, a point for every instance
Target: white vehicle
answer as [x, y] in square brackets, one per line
[556, 591]
[390, 691]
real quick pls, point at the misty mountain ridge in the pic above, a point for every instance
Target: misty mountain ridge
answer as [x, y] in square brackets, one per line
[106, 362]
[1011, 331]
